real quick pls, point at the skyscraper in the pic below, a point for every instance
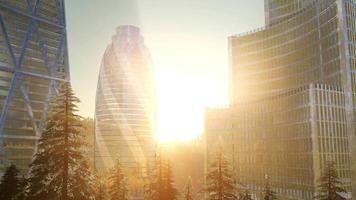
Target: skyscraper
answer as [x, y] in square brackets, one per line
[33, 62]
[292, 98]
[278, 10]
[124, 124]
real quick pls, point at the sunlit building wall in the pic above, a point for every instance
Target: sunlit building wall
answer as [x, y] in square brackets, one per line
[288, 137]
[124, 121]
[279, 10]
[33, 62]
[312, 48]
[298, 51]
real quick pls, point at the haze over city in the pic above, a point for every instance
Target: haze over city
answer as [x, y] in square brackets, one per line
[188, 43]
[177, 99]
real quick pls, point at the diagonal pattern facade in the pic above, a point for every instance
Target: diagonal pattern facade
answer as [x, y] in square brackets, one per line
[124, 124]
[33, 61]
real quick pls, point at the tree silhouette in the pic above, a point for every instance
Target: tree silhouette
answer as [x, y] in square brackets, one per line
[245, 195]
[188, 193]
[101, 188]
[59, 170]
[220, 184]
[118, 185]
[136, 181]
[329, 188]
[23, 189]
[10, 186]
[161, 185]
[269, 194]
[100, 192]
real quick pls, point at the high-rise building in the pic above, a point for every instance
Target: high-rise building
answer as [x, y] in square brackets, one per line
[293, 85]
[279, 10]
[33, 62]
[124, 121]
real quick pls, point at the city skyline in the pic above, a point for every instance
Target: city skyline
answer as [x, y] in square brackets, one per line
[178, 99]
[191, 67]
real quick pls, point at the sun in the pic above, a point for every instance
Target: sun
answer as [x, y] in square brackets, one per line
[181, 101]
[188, 78]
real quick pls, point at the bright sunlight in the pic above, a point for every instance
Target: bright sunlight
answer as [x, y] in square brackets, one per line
[183, 94]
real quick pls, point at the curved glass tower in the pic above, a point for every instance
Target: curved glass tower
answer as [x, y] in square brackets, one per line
[124, 104]
[33, 61]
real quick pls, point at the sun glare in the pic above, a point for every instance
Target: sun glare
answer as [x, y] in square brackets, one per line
[188, 78]
[181, 102]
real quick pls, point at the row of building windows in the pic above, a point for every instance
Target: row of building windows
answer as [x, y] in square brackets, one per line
[47, 9]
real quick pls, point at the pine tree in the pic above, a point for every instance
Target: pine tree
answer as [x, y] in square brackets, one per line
[245, 195]
[100, 192]
[10, 185]
[170, 192]
[161, 185]
[188, 193]
[220, 184]
[269, 194]
[100, 189]
[136, 181]
[118, 185]
[23, 189]
[329, 188]
[59, 170]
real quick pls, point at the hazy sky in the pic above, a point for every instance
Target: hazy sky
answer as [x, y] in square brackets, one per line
[188, 43]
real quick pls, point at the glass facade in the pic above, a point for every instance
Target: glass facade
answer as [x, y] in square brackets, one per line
[292, 53]
[33, 61]
[293, 88]
[279, 10]
[289, 136]
[124, 121]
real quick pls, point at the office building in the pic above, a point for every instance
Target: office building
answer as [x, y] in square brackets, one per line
[33, 62]
[124, 121]
[293, 85]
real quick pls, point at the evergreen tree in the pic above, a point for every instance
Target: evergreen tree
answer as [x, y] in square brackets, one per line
[161, 185]
[10, 185]
[59, 170]
[100, 193]
[188, 193]
[118, 189]
[170, 192]
[269, 194]
[23, 189]
[100, 189]
[329, 188]
[220, 184]
[245, 195]
[136, 181]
